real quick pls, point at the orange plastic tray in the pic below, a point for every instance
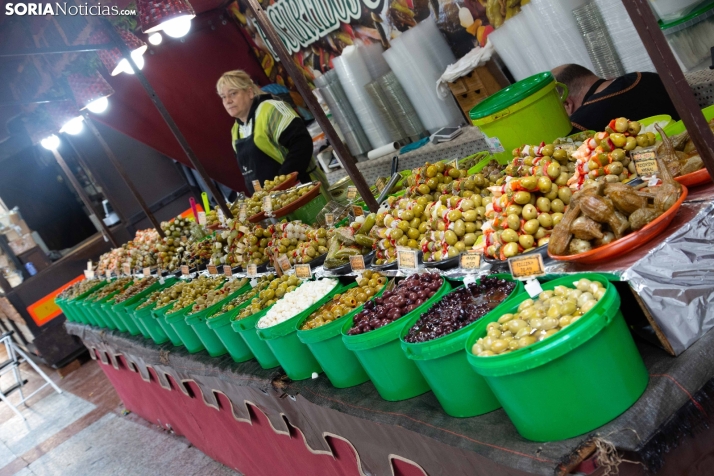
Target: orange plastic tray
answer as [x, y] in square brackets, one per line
[700, 177]
[289, 182]
[291, 207]
[628, 242]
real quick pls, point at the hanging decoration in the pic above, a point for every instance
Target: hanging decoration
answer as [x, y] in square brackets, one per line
[172, 16]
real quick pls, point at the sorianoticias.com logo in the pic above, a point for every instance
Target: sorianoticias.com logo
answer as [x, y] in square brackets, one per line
[64, 8]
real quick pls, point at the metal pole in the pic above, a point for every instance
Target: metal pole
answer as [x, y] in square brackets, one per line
[97, 177]
[167, 118]
[343, 154]
[673, 79]
[83, 195]
[120, 168]
[56, 51]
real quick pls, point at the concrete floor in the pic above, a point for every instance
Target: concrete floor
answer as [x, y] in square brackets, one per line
[84, 431]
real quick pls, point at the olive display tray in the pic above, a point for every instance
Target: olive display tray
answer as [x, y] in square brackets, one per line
[503, 264]
[346, 268]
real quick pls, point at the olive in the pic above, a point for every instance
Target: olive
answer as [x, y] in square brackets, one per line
[556, 217]
[459, 228]
[547, 149]
[621, 124]
[642, 140]
[510, 250]
[431, 171]
[526, 241]
[560, 155]
[513, 221]
[634, 128]
[470, 239]
[531, 226]
[529, 212]
[617, 154]
[522, 198]
[541, 231]
[631, 143]
[557, 205]
[651, 138]
[544, 184]
[454, 215]
[450, 237]
[423, 189]
[553, 194]
[469, 215]
[618, 140]
[543, 204]
[514, 209]
[564, 194]
[529, 183]
[509, 236]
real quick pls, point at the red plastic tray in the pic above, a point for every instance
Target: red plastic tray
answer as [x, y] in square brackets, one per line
[291, 207]
[700, 177]
[627, 242]
[289, 182]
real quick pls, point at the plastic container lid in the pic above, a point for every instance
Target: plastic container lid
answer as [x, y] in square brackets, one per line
[697, 16]
[511, 95]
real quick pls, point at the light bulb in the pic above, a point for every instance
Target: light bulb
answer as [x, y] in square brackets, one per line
[177, 27]
[98, 106]
[125, 67]
[74, 126]
[51, 142]
[155, 38]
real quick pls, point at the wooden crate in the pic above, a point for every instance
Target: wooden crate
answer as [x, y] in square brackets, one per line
[476, 86]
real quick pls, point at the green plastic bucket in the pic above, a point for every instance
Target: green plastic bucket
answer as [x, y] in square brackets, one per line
[93, 308]
[88, 318]
[442, 362]
[576, 380]
[159, 315]
[325, 342]
[380, 353]
[72, 306]
[185, 332]
[308, 212]
[109, 315]
[214, 345]
[527, 112]
[121, 313]
[131, 312]
[234, 343]
[146, 317]
[246, 328]
[294, 356]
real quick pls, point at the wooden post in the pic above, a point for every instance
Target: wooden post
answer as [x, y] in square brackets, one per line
[83, 195]
[120, 168]
[124, 49]
[671, 74]
[343, 154]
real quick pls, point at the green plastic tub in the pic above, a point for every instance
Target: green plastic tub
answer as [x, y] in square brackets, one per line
[159, 315]
[527, 112]
[109, 315]
[574, 381]
[246, 328]
[460, 391]
[325, 342]
[121, 310]
[73, 305]
[380, 353]
[214, 345]
[308, 212]
[87, 318]
[131, 313]
[146, 317]
[91, 308]
[177, 320]
[234, 343]
[293, 355]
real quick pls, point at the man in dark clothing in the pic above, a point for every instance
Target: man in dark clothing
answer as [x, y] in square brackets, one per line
[593, 102]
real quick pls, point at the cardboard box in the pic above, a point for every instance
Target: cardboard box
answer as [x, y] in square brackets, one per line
[23, 244]
[11, 234]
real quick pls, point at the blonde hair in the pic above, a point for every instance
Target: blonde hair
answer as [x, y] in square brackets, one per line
[237, 79]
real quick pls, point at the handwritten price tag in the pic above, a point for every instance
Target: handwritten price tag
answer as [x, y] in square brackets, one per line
[351, 192]
[329, 219]
[89, 274]
[357, 263]
[243, 212]
[303, 271]
[227, 270]
[252, 269]
[470, 261]
[526, 266]
[407, 259]
[212, 269]
[256, 186]
[146, 272]
[645, 161]
[380, 184]
[267, 204]
[184, 270]
[202, 218]
[357, 210]
[126, 269]
[284, 263]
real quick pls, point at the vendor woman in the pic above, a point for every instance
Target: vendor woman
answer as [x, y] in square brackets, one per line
[269, 138]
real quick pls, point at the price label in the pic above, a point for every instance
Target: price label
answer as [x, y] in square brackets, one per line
[357, 263]
[243, 212]
[351, 192]
[109, 274]
[284, 263]
[256, 186]
[267, 204]
[329, 219]
[357, 210]
[89, 274]
[212, 269]
[202, 218]
[471, 260]
[303, 271]
[146, 272]
[252, 269]
[645, 161]
[380, 184]
[184, 270]
[221, 217]
[407, 259]
[227, 270]
[526, 266]
[126, 269]
[89, 265]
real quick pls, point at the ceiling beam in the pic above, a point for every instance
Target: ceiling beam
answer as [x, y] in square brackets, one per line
[56, 50]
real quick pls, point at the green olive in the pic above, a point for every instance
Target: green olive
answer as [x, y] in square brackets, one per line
[469, 215]
[560, 155]
[459, 228]
[553, 170]
[543, 204]
[509, 236]
[513, 221]
[529, 183]
[510, 250]
[541, 231]
[450, 237]
[631, 143]
[544, 184]
[529, 212]
[514, 209]
[522, 198]
[562, 179]
[531, 226]
[470, 239]
[545, 220]
[557, 206]
[556, 217]
[526, 241]
[621, 124]
[564, 194]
